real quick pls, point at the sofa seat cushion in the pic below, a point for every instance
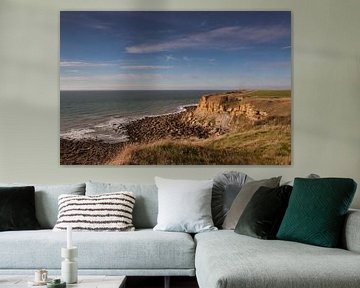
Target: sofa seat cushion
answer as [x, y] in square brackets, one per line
[142, 249]
[225, 259]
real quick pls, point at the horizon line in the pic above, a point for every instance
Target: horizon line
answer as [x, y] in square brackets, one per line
[231, 89]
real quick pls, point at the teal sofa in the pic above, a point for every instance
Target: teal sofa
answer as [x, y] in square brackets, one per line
[219, 259]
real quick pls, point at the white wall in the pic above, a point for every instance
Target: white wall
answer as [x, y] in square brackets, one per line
[326, 85]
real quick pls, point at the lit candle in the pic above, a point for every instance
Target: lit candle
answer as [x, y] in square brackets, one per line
[69, 239]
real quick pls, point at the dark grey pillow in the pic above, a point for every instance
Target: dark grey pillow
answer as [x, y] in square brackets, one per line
[243, 198]
[17, 209]
[226, 187]
[263, 214]
[46, 200]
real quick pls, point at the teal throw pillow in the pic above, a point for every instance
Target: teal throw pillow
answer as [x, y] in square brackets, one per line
[316, 211]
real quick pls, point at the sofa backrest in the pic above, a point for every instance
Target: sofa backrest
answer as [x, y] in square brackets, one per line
[146, 203]
[46, 200]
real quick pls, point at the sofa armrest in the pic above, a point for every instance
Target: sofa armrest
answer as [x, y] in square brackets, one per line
[351, 234]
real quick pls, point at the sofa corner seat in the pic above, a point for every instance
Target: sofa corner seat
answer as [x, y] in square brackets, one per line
[225, 259]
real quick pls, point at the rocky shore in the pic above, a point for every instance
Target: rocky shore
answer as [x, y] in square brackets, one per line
[87, 152]
[145, 130]
[172, 126]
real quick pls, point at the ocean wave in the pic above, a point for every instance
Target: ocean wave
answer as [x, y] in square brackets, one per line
[77, 134]
[179, 109]
[113, 122]
[113, 130]
[94, 134]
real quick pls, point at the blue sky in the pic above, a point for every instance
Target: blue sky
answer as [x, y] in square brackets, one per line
[174, 50]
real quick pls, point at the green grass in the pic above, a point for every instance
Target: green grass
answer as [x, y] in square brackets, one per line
[275, 94]
[271, 93]
[269, 145]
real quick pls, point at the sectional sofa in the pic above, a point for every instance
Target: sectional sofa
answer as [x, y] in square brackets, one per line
[219, 259]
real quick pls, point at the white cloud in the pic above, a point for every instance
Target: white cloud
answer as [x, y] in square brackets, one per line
[169, 58]
[212, 61]
[270, 66]
[227, 38]
[108, 82]
[156, 81]
[145, 67]
[85, 64]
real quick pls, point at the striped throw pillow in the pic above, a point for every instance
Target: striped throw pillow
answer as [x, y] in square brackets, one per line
[105, 212]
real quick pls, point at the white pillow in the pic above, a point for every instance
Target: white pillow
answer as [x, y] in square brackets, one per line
[105, 212]
[184, 205]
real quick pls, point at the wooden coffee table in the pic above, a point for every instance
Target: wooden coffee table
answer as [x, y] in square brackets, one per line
[84, 281]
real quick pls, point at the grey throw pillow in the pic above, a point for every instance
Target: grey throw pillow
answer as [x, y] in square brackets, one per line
[310, 176]
[184, 205]
[242, 199]
[226, 187]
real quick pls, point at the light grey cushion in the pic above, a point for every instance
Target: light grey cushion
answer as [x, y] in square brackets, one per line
[105, 212]
[351, 231]
[46, 200]
[143, 249]
[310, 176]
[146, 204]
[225, 259]
[226, 187]
[242, 199]
[184, 205]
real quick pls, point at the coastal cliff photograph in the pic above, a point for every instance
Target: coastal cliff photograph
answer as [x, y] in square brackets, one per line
[175, 88]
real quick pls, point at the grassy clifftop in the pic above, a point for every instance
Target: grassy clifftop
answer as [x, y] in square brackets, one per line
[260, 146]
[244, 127]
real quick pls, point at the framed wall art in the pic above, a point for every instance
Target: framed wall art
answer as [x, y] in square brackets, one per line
[175, 88]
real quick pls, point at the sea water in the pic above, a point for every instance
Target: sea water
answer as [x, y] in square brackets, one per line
[101, 115]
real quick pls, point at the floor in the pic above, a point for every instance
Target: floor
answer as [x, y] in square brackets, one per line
[158, 282]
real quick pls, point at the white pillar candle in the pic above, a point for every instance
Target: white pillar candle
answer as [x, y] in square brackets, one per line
[69, 237]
